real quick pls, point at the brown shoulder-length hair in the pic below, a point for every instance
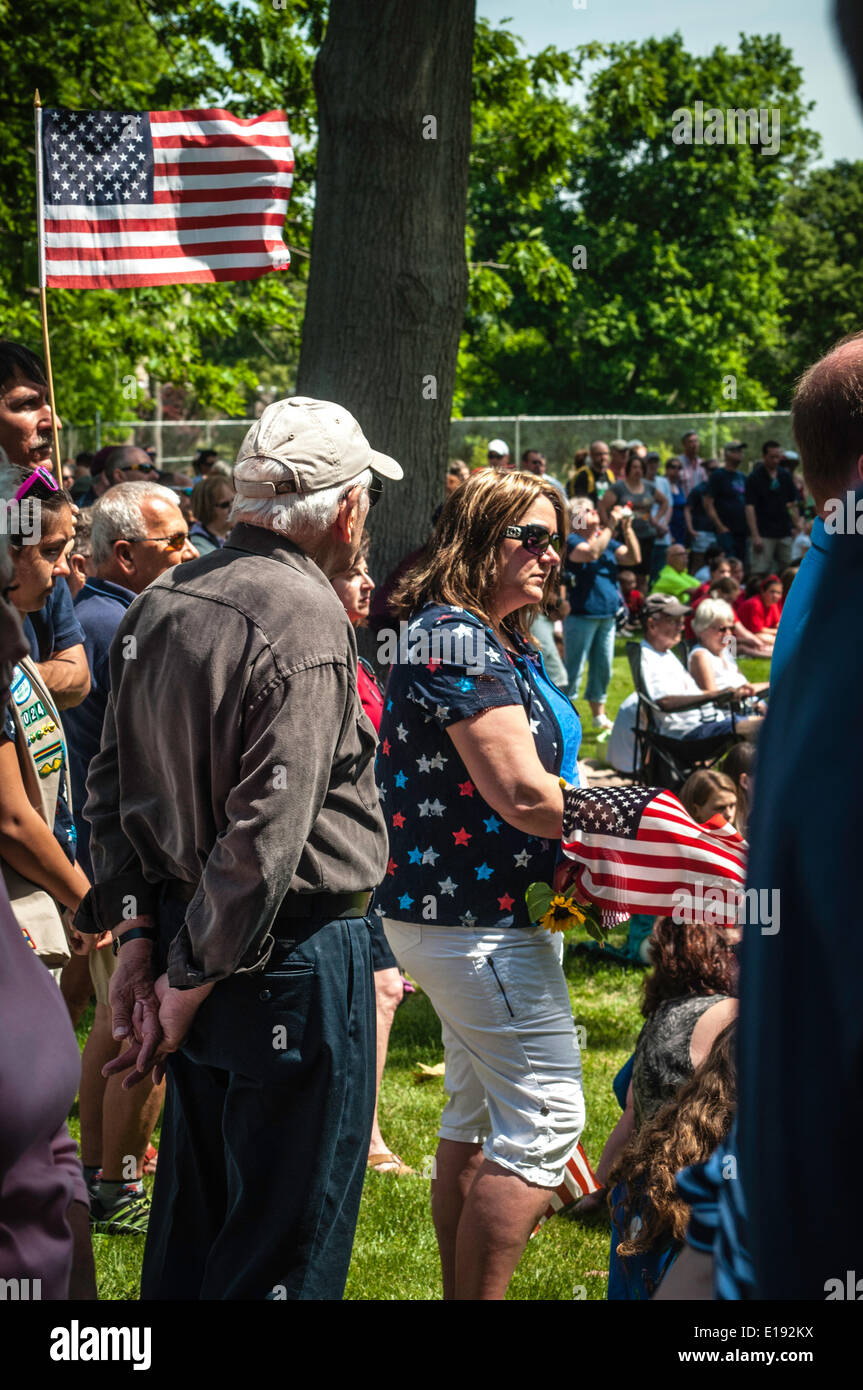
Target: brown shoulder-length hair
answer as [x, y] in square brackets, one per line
[685, 1130]
[461, 562]
[688, 958]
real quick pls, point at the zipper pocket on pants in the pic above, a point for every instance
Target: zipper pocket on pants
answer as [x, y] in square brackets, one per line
[500, 985]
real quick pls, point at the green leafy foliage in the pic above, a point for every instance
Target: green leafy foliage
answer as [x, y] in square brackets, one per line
[216, 343]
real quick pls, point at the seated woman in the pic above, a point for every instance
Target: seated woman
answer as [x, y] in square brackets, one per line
[474, 741]
[748, 643]
[649, 1215]
[761, 613]
[710, 662]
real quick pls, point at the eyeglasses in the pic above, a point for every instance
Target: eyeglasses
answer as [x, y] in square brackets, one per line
[139, 468]
[39, 475]
[534, 537]
[375, 488]
[175, 542]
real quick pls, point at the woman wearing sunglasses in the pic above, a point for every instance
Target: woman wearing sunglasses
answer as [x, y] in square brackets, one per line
[474, 739]
[711, 662]
[212, 499]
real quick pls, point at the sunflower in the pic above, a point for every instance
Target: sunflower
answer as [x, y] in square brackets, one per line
[562, 914]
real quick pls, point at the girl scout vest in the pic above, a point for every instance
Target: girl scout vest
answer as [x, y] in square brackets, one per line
[41, 749]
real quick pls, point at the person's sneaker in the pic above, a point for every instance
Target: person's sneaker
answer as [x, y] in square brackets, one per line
[128, 1216]
[93, 1184]
[602, 721]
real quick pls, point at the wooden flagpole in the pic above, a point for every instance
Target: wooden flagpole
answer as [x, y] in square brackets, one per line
[40, 220]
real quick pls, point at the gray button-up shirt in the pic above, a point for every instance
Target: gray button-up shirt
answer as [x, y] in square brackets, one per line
[235, 753]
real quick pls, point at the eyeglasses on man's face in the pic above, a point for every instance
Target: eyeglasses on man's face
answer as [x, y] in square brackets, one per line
[174, 542]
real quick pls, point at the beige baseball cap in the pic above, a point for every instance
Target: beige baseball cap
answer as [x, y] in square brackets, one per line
[318, 443]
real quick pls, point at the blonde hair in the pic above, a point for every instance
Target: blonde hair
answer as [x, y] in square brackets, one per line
[460, 563]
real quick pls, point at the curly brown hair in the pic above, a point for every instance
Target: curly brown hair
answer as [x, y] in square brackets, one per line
[460, 564]
[688, 958]
[685, 1130]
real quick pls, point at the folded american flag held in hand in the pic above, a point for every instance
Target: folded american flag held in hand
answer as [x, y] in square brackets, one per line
[639, 850]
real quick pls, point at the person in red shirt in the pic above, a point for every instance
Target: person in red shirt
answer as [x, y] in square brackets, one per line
[761, 612]
[355, 587]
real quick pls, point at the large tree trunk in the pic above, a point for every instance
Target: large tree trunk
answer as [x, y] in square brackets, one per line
[388, 278]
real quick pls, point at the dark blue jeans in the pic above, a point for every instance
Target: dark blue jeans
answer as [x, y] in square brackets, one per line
[265, 1133]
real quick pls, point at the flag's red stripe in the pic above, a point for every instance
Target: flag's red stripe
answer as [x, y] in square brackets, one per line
[676, 857]
[659, 837]
[95, 225]
[180, 277]
[687, 835]
[216, 114]
[677, 816]
[265, 192]
[107, 254]
[218, 141]
[222, 166]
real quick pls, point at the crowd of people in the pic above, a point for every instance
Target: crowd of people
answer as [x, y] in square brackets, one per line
[243, 841]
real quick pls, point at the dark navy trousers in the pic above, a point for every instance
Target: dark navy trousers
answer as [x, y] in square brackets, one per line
[265, 1133]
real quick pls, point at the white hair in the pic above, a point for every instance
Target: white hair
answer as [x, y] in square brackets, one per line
[710, 611]
[117, 516]
[577, 508]
[306, 518]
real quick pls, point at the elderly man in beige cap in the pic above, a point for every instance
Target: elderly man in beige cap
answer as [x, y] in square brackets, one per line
[236, 835]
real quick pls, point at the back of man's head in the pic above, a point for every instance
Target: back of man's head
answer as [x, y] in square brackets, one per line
[827, 419]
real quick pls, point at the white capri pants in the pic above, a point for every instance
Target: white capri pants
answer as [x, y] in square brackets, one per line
[513, 1066]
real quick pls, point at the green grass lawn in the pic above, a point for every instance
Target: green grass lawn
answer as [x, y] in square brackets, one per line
[395, 1254]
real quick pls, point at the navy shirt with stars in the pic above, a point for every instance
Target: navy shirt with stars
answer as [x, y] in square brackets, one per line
[453, 861]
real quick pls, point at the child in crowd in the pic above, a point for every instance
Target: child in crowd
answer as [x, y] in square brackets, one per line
[632, 597]
[649, 1217]
[707, 793]
[739, 765]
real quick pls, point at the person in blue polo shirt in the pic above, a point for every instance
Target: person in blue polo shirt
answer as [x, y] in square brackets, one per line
[136, 532]
[474, 741]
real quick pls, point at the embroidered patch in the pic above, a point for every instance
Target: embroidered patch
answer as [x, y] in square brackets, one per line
[36, 711]
[21, 687]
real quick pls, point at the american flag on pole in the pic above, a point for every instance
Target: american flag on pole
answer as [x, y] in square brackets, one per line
[639, 850]
[160, 197]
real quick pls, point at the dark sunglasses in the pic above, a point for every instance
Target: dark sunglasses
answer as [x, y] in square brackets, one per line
[175, 542]
[376, 487]
[140, 468]
[534, 537]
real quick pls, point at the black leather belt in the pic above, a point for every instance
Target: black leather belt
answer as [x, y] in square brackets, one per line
[302, 906]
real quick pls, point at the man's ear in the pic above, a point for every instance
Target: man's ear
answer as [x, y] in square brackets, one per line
[124, 556]
[349, 516]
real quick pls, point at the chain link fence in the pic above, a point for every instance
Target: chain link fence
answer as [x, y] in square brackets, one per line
[557, 436]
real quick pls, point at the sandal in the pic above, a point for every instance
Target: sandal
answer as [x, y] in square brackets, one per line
[388, 1163]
